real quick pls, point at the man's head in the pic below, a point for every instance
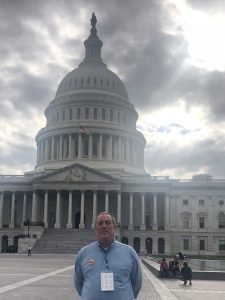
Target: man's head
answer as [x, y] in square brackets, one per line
[105, 228]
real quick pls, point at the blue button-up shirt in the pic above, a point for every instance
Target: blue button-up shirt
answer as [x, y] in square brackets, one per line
[120, 259]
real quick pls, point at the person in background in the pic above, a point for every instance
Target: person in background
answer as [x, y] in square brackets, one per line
[107, 269]
[186, 273]
[29, 251]
[164, 269]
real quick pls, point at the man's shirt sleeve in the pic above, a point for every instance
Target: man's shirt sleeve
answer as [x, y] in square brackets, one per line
[78, 275]
[136, 275]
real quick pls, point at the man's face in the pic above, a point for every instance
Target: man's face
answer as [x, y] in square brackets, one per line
[105, 229]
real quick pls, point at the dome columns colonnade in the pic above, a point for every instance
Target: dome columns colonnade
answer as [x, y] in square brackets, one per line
[60, 213]
[92, 146]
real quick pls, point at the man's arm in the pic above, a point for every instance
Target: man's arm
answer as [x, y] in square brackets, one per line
[136, 275]
[78, 275]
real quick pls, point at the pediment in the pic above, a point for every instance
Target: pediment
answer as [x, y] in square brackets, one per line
[76, 173]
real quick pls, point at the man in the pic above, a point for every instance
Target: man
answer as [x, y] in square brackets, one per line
[107, 269]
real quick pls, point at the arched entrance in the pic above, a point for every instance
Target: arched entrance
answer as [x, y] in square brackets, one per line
[148, 245]
[137, 244]
[124, 240]
[161, 246]
[15, 240]
[4, 241]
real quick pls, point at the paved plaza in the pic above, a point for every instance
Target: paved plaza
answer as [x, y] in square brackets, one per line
[50, 277]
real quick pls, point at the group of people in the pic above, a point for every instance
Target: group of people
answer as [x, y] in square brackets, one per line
[171, 270]
[108, 269]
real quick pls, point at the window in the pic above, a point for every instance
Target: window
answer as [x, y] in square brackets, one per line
[86, 113]
[186, 222]
[103, 114]
[202, 245]
[78, 114]
[221, 220]
[186, 244]
[63, 115]
[201, 202]
[57, 117]
[185, 201]
[221, 245]
[111, 115]
[70, 114]
[201, 222]
[118, 116]
[95, 114]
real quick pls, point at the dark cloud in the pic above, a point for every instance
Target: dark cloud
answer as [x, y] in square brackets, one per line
[137, 42]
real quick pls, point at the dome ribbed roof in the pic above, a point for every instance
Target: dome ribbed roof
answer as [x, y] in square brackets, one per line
[92, 73]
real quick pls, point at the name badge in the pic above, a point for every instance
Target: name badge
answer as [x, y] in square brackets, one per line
[107, 282]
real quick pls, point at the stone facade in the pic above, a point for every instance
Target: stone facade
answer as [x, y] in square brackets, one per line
[90, 158]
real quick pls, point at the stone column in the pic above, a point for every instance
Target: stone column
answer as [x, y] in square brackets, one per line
[12, 218]
[82, 225]
[119, 208]
[127, 150]
[24, 209]
[79, 146]
[70, 208]
[46, 150]
[41, 151]
[143, 225]
[46, 210]
[53, 148]
[110, 147]
[120, 148]
[100, 147]
[106, 201]
[94, 209]
[70, 147]
[60, 147]
[131, 225]
[34, 208]
[155, 221]
[167, 211]
[58, 212]
[90, 146]
[1, 208]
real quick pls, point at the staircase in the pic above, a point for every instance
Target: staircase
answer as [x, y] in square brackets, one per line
[63, 241]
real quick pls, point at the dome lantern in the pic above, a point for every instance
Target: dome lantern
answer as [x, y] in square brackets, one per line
[93, 44]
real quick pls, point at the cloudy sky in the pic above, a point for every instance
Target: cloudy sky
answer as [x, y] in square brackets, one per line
[169, 53]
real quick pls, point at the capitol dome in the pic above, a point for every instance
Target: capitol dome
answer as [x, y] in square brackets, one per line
[90, 76]
[91, 120]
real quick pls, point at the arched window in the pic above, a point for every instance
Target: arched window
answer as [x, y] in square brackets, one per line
[161, 246]
[124, 240]
[221, 220]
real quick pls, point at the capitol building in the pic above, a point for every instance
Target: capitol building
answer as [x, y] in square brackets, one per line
[90, 158]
